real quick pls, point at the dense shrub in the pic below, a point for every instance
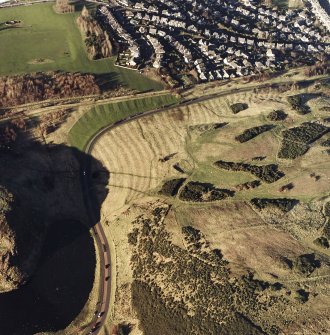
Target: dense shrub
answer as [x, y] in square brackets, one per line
[164, 292]
[258, 158]
[286, 187]
[306, 263]
[296, 140]
[307, 132]
[178, 168]
[284, 204]
[326, 143]
[322, 242]
[167, 157]
[297, 103]
[251, 133]
[238, 107]
[133, 236]
[202, 192]
[268, 173]
[292, 150]
[157, 318]
[191, 234]
[248, 185]
[302, 295]
[154, 314]
[171, 187]
[6, 199]
[277, 115]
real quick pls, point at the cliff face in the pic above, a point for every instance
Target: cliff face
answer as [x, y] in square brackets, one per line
[39, 187]
[23, 225]
[10, 275]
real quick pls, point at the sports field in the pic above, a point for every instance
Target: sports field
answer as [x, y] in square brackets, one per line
[48, 41]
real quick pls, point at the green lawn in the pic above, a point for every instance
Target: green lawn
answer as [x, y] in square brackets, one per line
[56, 38]
[101, 116]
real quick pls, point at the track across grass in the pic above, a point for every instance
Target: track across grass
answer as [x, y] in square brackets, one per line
[47, 41]
[104, 115]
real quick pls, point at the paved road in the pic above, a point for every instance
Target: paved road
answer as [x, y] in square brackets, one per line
[93, 209]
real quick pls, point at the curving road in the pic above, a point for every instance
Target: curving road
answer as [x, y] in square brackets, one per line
[93, 209]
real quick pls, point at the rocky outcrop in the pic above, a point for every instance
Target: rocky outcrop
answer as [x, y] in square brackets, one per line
[10, 276]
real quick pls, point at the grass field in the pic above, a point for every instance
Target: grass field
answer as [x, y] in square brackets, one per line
[100, 116]
[142, 154]
[56, 39]
[134, 152]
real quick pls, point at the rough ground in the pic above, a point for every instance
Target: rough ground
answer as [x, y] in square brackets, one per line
[242, 269]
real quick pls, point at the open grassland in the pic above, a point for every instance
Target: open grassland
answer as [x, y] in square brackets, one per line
[184, 142]
[139, 169]
[47, 41]
[105, 115]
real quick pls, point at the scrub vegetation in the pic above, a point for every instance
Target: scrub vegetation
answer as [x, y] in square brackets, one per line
[251, 133]
[267, 173]
[296, 141]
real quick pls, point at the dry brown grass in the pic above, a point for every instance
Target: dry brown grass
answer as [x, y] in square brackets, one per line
[249, 240]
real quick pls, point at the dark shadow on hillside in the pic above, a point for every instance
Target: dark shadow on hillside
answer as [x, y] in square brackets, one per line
[79, 5]
[326, 5]
[107, 81]
[49, 188]
[305, 97]
[2, 28]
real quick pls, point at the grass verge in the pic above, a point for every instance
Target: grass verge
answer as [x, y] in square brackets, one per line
[105, 115]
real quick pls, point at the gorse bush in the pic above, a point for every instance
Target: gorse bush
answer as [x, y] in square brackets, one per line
[306, 264]
[268, 173]
[322, 242]
[187, 274]
[326, 143]
[171, 187]
[238, 107]
[296, 140]
[251, 133]
[284, 204]
[297, 103]
[277, 115]
[202, 192]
